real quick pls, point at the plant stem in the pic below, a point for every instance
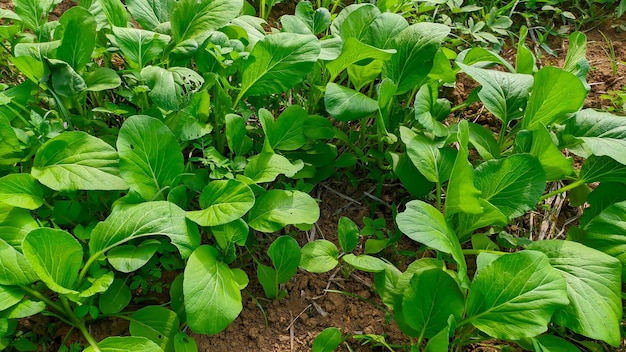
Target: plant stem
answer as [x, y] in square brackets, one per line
[43, 298]
[562, 189]
[438, 196]
[79, 324]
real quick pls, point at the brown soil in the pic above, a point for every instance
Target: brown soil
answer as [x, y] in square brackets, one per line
[292, 324]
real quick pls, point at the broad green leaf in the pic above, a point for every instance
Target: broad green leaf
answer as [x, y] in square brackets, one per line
[129, 258]
[575, 61]
[278, 62]
[125, 344]
[10, 296]
[461, 195]
[98, 285]
[265, 167]
[56, 257]
[184, 343]
[276, 208]
[15, 224]
[150, 14]
[555, 95]
[482, 57]
[525, 61]
[76, 160]
[433, 162]
[115, 12]
[21, 191]
[156, 323]
[23, 309]
[34, 13]
[232, 232]
[384, 28]
[601, 134]
[593, 289]
[602, 169]
[602, 197]
[316, 21]
[150, 157]
[102, 78]
[128, 222]
[319, 256]
[318, 127]
[607, 233]
[9, 15]
[10, 151]
[139, 46]
[354, 20]
[515, 296]
[416, 48]
[162, 87]
[549, 343]
[212, 296]
[362, 75]
[64, 80]
[503, 94]
[115, 298]
[35, 51]
[422, 223]
[354, 51]
[287, 132]
[365, 263]
[345, 104]
[347, 234]
[513, 185]
[327, 341]
[222, 201]
[428, 110]
[285, 255]
[268, 279]
[238, 142]
[412, 179]
[491, 216]
[483, 141]
[79, 37]
[555, 165]
[194, 19]
[429, 300]
[441, 341]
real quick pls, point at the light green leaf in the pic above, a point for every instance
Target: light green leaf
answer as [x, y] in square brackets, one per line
[56, 257]
[129, 258]
[429, 110]
[354, 51]
[139, 46]
[194, 19]
[345, 104]
[150, 156]
[433, 162]
[347, 234]
[607, 233]
[15, 224]
[429, 300]
[327, 341]
[285, 255]
[34, 13]
[98, 285]
[23, 309]
[555, 165]
[422, 223]
[222, 201]
[76, 160]
[593, 289]
[21, 190]
[65, 80]
[278, 62]
[416, 48]
[128, 222]
[555, 95]
[10, 296]
[115, 298]
[212, 296]
[287, 132]
[384, 28]
[365, 262]
[354, 20]
[319, 256]
[602, 169]
[513, 185]
[265, 167]
[483, 141]
[115, 12]
[10, 151]
[102, 78]
[276, 208]
[162, 87]
[150, 14]
[515, 296]
[125, 344]
[602, 134]
[79, 37]
[156, 323]
[575, 61]
[184, 343]
[268, 279]
[35, 51]
[549, 343]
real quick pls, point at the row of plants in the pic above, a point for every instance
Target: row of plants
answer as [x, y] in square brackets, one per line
[187, 144]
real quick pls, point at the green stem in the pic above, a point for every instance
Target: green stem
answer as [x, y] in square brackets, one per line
[502, 136]
[43, 298]
[562, 189]
[438, 195]
[262, 9]
[90, 339]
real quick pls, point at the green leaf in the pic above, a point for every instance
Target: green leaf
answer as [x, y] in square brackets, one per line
[222, 201]
[354, 51]
[21, 190]
[34, 51]
[162, 87]
[287, 132]
[461, 195]
[607, 233]
[79, 37]
[354, 20]
[503, 94]
[56, 257]
[128, 222]
[276, 208]
[102, 78]
[575, 61]
[278, 62]
[238, 141]
[429, 300]
[98, 285]
[268, 279]
[125, 344]
[150, 14]
[515, 296]
[318, 127]
[525, 61]
[513, 185]
[194, 19]
[76, 160]
[10, 151]
[24, 309]
[212, 296]
[156, 323]
[345, 104]
[34, 13]
[327, 341]
[115, 298]
[265, 167]
[441, 341]
[593, 289]
[555, 95]
[150, 157]
[483, 141]
[319, 256]
[549, 343]
[115, 12]
[601, 134]
[384, 28]
[139, 46]
[555, 165]
[65, 80]
[602, 197]
[184, 343]
[602, 169]
[347, 234]
[129, 258]
[422, 223]
[365, 263]
[15, 224]
[413, 180]
[428, 110]
[285, 255]
[416, 48]
[433, 162]
[10, 296]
